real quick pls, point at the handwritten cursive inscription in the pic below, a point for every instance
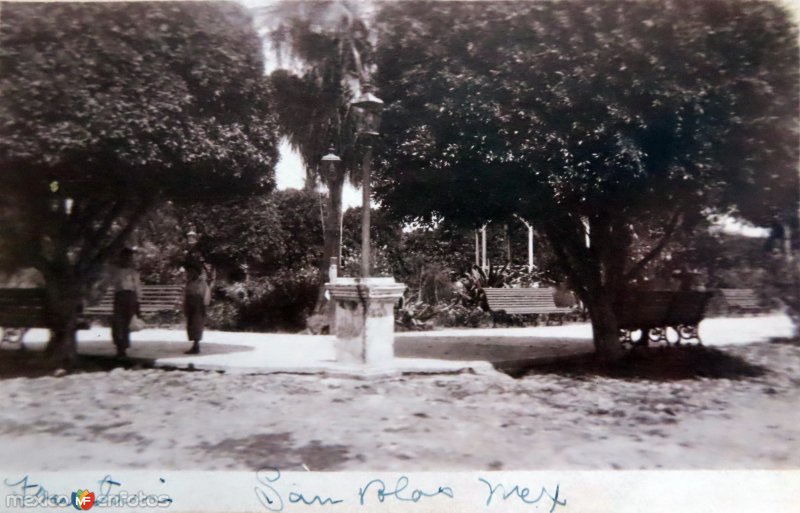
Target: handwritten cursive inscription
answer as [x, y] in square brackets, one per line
[107, 485]
[269, 496]
[26, 493]
[400, 492]
[25, 488]
[378, 491]
[294, 498]
[522, 494]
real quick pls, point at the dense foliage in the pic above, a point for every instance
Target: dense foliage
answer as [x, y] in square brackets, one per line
[621, 120]
[262, 254]
[108, 108]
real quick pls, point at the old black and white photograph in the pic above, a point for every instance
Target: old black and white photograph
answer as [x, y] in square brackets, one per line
[256, 237]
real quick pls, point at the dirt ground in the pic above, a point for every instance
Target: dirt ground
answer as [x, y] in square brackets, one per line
[694, 408]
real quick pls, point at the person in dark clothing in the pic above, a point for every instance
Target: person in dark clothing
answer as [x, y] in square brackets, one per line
[196, 298]
[776, 237]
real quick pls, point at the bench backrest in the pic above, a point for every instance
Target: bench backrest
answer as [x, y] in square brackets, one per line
[23, 308]
[649, 309]
[745, 299]
[643, 309]
[155, 298]
[688, 307]
[522, 300]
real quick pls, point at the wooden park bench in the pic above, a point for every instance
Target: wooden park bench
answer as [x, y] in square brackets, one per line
[739, 301]
[505, 302]
[654, 312]
[155, 299]
[22, 309]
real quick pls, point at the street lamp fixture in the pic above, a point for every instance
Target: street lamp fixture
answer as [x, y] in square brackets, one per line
[331, 156]
[369, 106]
[368, 101]
[191, 237]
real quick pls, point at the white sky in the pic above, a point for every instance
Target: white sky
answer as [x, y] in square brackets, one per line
[734, 226]
[290, 174]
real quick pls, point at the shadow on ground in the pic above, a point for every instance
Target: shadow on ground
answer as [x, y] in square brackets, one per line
[25, 364]
[786, 340]
[654, 364]
[16, 363]
[490, 349]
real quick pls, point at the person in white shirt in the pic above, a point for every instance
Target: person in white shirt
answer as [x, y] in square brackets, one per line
[127, 289]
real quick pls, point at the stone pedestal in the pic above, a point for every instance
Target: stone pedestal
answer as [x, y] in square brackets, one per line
[364, 319]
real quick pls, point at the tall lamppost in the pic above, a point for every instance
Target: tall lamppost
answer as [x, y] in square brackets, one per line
[332, 159]
[369, 108]
[364, 306]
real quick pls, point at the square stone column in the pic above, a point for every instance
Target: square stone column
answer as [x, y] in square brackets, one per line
[364, 318]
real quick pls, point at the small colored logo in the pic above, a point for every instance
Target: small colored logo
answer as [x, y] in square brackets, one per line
[83, 499]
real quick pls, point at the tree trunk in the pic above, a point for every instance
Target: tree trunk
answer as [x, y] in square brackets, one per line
[64, 300]
[605, 329]
[595, 273]
[62, 348]
[787, 242]
[331, 236]
[508, 244]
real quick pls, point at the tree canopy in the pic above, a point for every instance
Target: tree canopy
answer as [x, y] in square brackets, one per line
[615, 119]
[120, 93]
[106, 108]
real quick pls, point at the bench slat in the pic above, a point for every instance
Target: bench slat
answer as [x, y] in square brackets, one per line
[155, 298]
[523, 301]
[23, 321]
[742, 299]
[519, 301]
[23, 308]
[657, 309]
[26, 308]
[513, 311]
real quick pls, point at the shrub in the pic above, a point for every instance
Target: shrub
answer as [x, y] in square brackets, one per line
[277, 302]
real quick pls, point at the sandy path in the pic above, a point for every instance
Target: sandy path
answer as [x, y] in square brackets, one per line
[212, 421]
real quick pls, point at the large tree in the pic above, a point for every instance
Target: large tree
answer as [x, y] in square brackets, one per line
[107, 109]
[618, 120]
[330, 54]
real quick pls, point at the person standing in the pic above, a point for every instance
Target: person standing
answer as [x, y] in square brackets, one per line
[196, 298]
[127, 288]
